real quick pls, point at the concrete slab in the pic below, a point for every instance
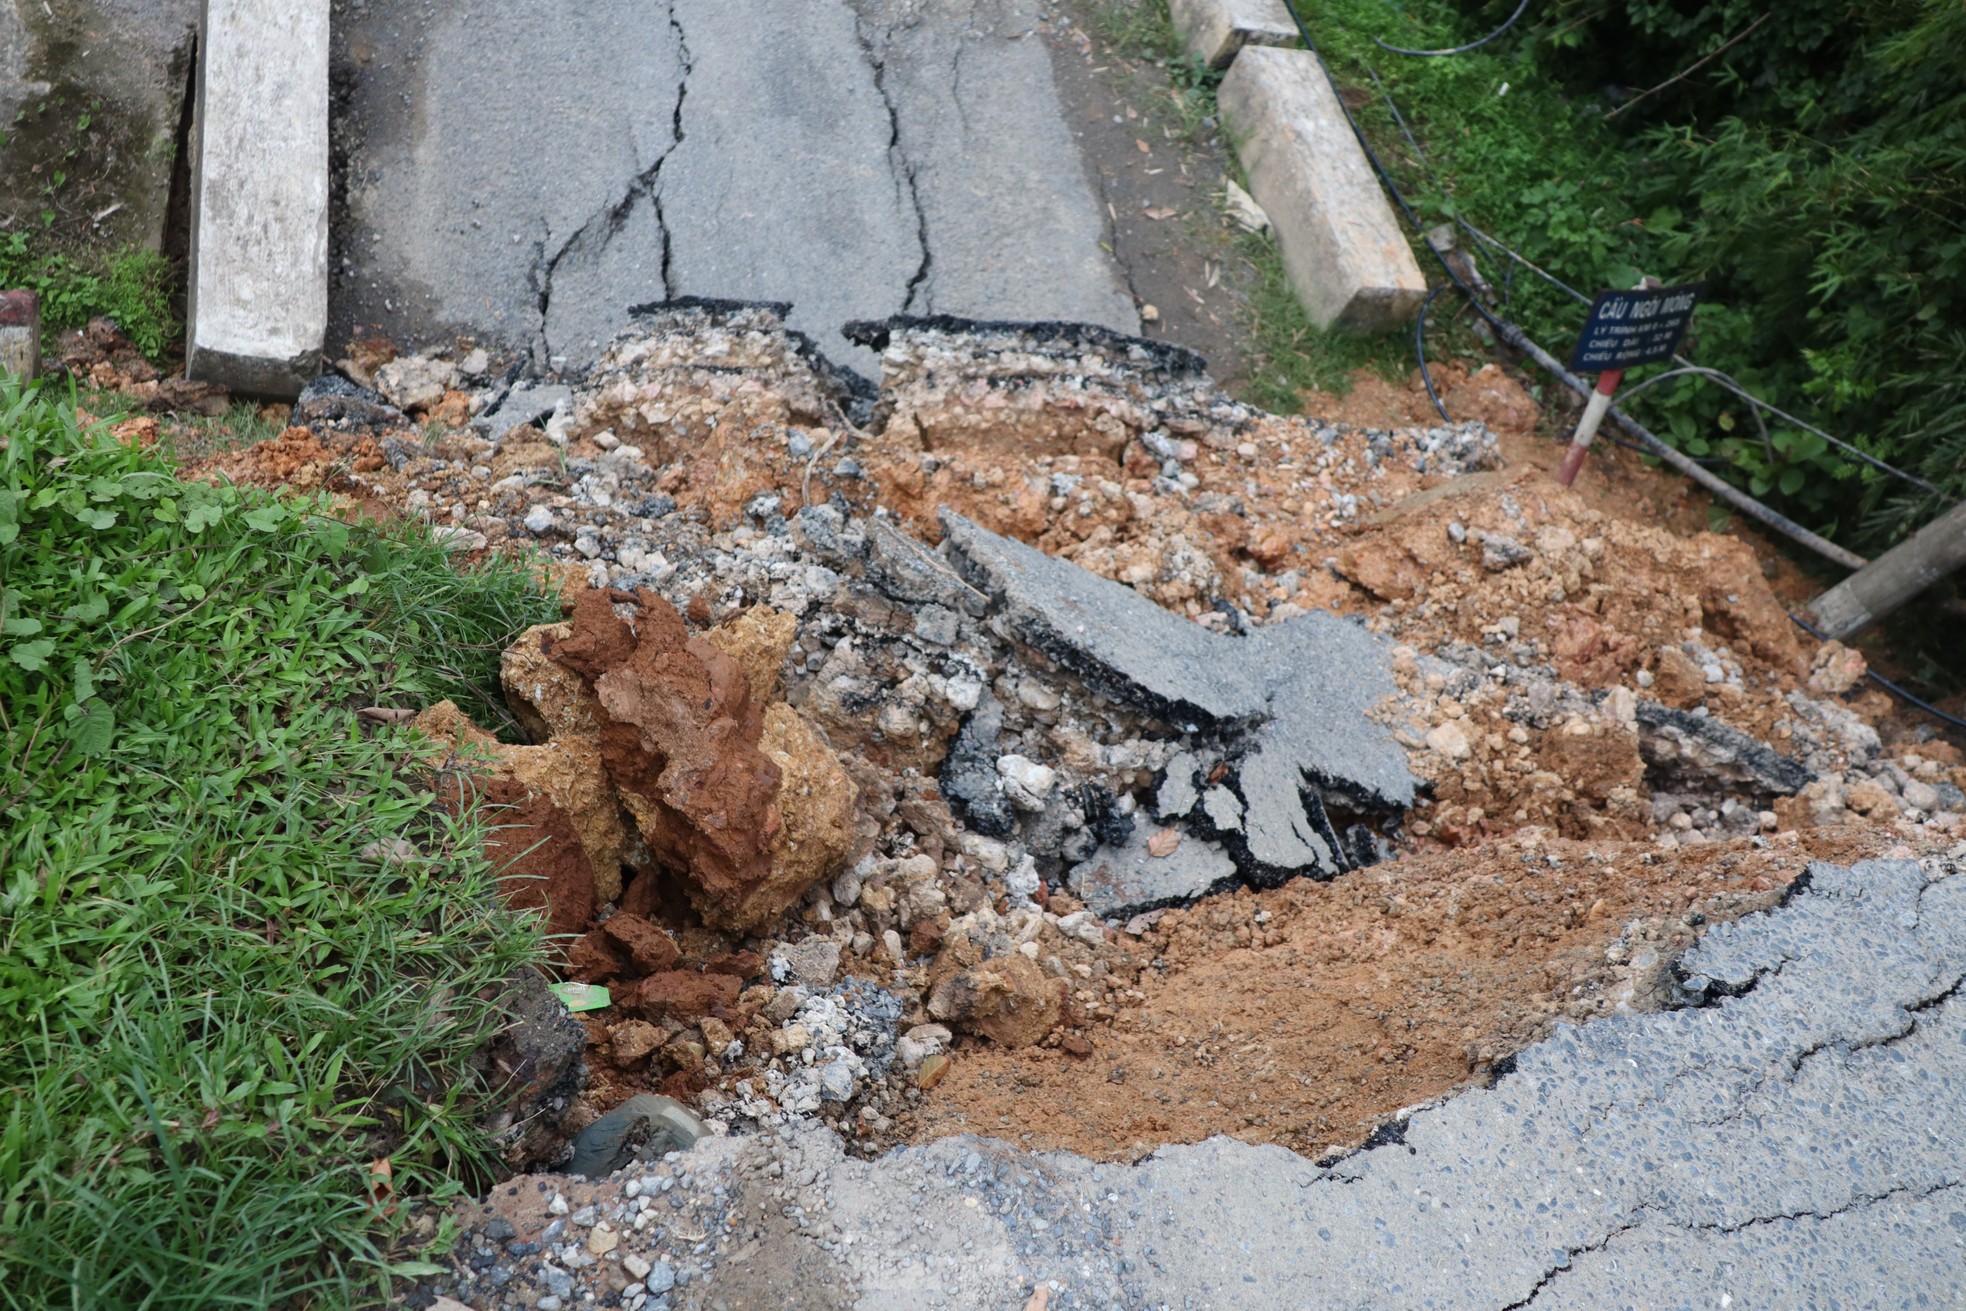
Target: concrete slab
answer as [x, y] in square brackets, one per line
[258, 302]
[1348, 261]
[1110, 635]
[1215, 31]
[858, 158]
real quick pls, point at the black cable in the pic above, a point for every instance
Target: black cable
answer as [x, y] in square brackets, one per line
[1455, 50]
[1884, 682]
[1420, 349]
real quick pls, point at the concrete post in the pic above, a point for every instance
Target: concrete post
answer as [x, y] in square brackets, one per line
[1347, 259]
[20, 335]
[1893, 578]
[259, 197]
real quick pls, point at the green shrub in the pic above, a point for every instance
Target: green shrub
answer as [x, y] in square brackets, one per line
[214, 1009]
[1813, 174]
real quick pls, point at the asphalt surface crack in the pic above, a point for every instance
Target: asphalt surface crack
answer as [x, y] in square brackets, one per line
[606, 223]
[903, 169]
[1861, 1202]
[1569, 1259]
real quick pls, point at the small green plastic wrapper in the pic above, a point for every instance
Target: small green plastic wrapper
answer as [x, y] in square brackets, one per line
[582, 996]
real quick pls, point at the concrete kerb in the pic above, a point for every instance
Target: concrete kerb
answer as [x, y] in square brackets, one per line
[1348, 261]
[1215, 31]
[258, 299]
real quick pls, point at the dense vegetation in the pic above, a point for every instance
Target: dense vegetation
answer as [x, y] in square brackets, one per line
[218, 999]
[1809, 164]
[1806, 161]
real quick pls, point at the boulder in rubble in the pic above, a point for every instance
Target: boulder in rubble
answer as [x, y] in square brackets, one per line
[738, 795]
[1008, 999]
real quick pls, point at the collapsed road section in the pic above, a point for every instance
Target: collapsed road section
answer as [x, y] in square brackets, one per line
[1048, 749]
[1799, 1136]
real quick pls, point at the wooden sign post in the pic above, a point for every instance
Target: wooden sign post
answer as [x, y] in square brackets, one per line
[20, 335]
[1625, 329]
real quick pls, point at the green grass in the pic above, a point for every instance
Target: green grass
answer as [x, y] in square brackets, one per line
[1287, 354]
[135, 287]
[214, 1011]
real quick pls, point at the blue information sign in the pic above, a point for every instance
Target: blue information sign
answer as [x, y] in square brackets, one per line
[1629, 328]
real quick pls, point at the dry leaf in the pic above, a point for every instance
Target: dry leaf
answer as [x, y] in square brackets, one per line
[1161, 212]
[382, 1188]
[1145, 149]
[1164, 842]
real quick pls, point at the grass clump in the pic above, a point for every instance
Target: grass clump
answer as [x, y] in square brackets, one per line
[214, 1009]
[134, 286]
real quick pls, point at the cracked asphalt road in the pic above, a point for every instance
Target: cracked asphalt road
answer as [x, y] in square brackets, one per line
[1795, 1138]
[524, 174]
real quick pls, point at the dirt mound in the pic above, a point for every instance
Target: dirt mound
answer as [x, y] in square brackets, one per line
[1307, 1015]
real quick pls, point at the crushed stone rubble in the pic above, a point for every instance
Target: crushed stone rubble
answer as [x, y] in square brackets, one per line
[889, 733]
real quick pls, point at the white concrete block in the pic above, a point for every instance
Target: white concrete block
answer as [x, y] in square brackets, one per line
[259, 218]
[1348, 261]
[1214, 30]
[20, 335]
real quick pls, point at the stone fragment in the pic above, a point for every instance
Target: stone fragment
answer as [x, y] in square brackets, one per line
[1920, 795]
[1009, 1000]
[1449, 739]
[648, 945]
[548, 699]
[535, 840]
[522, 405]
[661, 1124]
[1213, 31]
[757, 639]
[333, 401]
[816, 801]
[415, 382]
[745, 801]
[634, 1039]
[1348, 262]
[594, 958]
[1117, 882]
[1026, 781]
[1836, 669]
[933, 1070]
[969, 772]
[257, 304]
[813, 963]
[685, 994]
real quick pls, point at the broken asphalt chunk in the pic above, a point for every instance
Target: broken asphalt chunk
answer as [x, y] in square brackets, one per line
[1129, 879]
[1698, 750]
[1291, 703]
